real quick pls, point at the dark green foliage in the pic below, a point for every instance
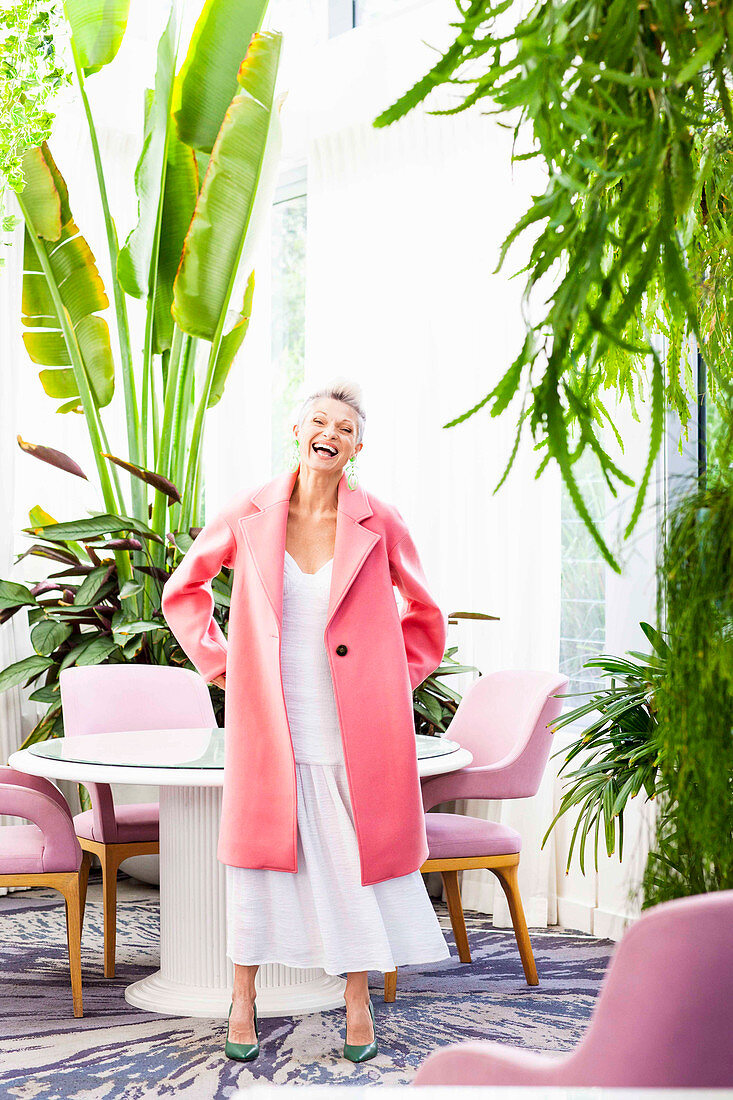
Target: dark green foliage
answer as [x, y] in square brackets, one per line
[617, 754]
[434, 702]
[628, 107]
[693, 852]
[82, 615]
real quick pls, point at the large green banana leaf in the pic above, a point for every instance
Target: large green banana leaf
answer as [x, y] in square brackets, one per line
[97, 30]
[179, 201]
[208, 77]
[235, 196]
[77, 281]
[135, 268]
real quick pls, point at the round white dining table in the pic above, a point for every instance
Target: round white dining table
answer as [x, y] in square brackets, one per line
[196, 976]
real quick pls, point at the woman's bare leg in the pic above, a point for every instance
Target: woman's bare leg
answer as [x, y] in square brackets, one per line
[241, 1021]
[358, 1020]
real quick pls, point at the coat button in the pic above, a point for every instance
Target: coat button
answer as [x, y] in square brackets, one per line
[341, 650]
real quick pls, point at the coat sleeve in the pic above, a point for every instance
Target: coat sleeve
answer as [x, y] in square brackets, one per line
[188, 601]
[424, 627]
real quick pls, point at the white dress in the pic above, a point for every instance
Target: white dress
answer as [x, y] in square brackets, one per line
[322, 916]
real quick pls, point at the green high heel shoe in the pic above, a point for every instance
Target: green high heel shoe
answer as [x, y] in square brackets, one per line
[243, 1052]
[361, 1052]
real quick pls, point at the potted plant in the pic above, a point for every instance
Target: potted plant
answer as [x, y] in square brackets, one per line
[664, 726]
[616, 756]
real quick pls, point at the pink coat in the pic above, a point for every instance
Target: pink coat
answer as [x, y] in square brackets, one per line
[376, 655]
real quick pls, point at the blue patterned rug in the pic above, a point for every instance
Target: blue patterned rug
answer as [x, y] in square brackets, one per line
[118, 1052]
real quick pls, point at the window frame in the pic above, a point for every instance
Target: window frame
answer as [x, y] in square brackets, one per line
[292, 185]
[341, 17]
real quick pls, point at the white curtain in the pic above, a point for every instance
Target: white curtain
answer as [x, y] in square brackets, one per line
[404, 226]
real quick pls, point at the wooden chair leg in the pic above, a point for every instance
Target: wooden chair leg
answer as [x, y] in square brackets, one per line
[390, 985]
[109, 896]
[455, 909]
[507, 876]
[73, 938]
[86, 864]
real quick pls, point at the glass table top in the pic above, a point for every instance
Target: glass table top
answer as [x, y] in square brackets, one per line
[434, 746]
[186, 748]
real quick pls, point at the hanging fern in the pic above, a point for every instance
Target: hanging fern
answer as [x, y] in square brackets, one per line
[693, 848]
[31, 75]
[628, 107]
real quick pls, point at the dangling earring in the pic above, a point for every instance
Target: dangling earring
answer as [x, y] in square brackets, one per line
[294, 460]
[351, 478]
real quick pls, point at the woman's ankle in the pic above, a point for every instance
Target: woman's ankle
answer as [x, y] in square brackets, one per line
[244, 996]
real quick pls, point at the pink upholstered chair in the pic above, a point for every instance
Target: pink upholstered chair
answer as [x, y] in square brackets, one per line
[45, 853]
[113, 698]
[504, 719]
[662, 1019]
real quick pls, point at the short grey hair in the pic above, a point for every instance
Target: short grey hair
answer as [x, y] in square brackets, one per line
[339, 389]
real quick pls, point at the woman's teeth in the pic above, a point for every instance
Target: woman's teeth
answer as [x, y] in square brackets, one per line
[324, 451]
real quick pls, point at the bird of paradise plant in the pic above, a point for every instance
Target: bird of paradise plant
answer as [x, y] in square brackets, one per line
[204, 180]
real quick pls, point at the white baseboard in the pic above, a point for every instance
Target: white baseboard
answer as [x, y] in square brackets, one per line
[575, 915]
[610, 925]
[478, 893]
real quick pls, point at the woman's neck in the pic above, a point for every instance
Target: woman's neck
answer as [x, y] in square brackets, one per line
[315, 493]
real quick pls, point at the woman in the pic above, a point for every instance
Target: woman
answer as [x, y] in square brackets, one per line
[322, 828]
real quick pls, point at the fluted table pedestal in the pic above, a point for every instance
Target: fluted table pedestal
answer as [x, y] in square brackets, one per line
[195, 976]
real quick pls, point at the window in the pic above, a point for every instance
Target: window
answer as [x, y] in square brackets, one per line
[341, 17]
[367, 11]
[711, 426]
[344, 15]
[582, 582]
[288, 308]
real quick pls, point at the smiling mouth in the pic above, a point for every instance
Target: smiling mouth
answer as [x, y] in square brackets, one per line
[322, 448]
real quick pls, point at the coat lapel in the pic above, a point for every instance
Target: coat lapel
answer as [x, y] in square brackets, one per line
[265, 532]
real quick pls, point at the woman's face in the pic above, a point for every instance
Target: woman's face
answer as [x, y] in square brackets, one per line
[327, 435]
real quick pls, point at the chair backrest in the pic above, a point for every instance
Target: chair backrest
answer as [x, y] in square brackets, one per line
[35, 783]
[663, 1017]
[112, 698]
[505, 714]
[37, 800]
[503, 720]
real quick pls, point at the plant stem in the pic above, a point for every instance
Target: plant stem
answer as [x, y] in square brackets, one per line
[167, 440]
[182, 412]
[132, 416]
[197, 434]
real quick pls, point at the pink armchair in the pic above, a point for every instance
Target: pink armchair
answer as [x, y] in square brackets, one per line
[45, 853]
[108, 698]
[504, 719]
[662, 1019]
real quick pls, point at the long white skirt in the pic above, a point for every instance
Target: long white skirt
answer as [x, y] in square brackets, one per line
[322, 915]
